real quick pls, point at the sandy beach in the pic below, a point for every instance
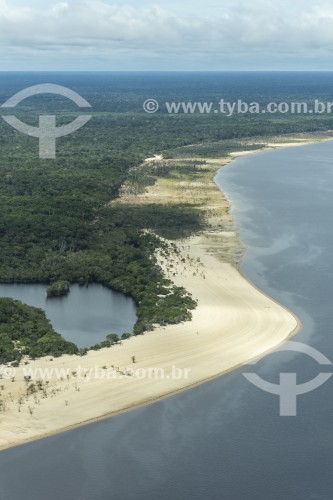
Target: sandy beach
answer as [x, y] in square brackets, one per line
[233, 323]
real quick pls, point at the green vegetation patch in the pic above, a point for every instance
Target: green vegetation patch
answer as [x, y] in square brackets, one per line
[58, 288]
[25, 331]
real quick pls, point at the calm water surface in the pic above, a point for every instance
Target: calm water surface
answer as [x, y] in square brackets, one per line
[85, 316]
[224, 439]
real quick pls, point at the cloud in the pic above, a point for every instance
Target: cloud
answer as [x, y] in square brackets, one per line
[110, 31]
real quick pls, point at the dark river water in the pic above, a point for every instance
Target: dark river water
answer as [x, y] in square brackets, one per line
[85, 316]
[224, 439]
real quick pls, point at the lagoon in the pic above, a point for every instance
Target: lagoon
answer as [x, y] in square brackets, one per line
[223, 440]
[85, 316]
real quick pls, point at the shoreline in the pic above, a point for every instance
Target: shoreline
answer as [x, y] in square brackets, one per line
[216, 341]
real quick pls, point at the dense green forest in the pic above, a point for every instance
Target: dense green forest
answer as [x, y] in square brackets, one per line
[25, 331]
[56, 223]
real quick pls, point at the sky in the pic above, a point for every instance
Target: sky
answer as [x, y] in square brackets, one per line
[143, 35]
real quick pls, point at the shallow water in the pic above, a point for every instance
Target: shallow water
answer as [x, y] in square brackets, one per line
[224, 439]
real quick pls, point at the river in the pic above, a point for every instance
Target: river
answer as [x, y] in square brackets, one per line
[223, 439]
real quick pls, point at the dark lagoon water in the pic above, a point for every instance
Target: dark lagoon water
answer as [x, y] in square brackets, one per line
[224, 439]
[85, 316]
